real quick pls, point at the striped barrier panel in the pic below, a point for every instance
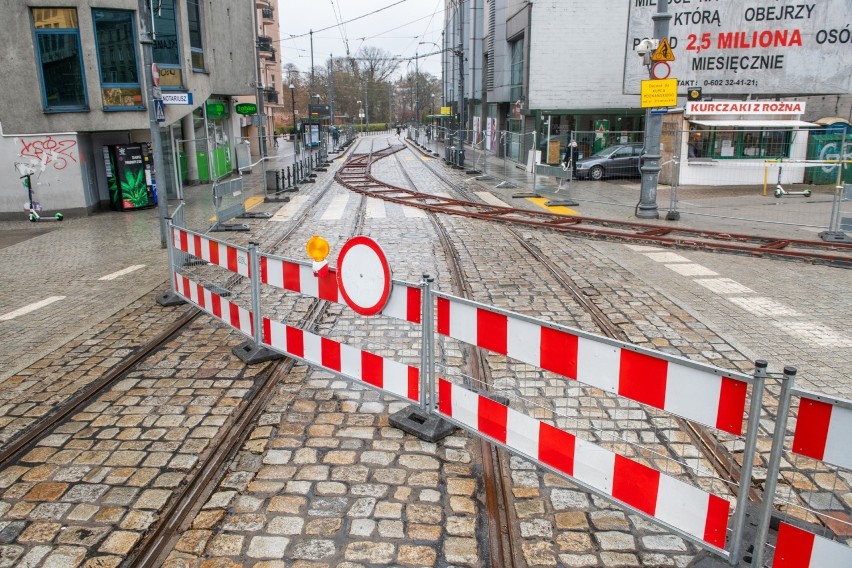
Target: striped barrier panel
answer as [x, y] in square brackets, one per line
[215, 252]
[392, 377]
[798, 548]
[404, 302]
[681, 507]
[702, 393]
[823, 430]
[235, 316]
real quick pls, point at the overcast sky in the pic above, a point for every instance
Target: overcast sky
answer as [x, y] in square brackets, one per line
[398, 30]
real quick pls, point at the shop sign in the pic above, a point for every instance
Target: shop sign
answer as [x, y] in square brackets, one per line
[246, 108]
[216, 108]
[446, 110]
[744, 107]
[727, 47]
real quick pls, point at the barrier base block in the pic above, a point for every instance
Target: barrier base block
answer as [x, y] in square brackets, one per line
[276, 198]
[221, 227]
[258, 215]
[417, 422]
[835, 237]
[561, 203]
[250, 353]
[524, 195]
[169, 299]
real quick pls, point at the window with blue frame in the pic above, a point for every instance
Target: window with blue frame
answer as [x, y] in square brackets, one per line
[119, 68]
[167, 45]
[60, 61]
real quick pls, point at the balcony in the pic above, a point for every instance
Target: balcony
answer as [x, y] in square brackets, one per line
[269, 55]
[268, 15]
[264, 43]
[270, 96]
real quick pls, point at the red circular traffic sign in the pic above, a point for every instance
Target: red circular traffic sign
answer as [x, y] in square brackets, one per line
[661, 70]
[363, 275]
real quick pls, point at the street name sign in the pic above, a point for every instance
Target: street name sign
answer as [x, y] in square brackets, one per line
[177, 98]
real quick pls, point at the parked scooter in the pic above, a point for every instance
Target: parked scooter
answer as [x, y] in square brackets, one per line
[781, 192]
[25, 173]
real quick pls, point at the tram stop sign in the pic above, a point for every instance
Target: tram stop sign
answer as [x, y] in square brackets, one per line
[363, 275]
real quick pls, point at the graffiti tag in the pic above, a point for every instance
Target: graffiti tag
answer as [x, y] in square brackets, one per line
[50, 152]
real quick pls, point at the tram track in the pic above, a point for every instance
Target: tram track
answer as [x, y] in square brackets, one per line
[159, 539]
[817, 252]
[497, 496]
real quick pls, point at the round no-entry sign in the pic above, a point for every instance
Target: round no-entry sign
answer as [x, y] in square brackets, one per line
[363, 275]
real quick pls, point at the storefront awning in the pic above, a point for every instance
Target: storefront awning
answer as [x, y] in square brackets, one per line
[440, 116]
[755, 123]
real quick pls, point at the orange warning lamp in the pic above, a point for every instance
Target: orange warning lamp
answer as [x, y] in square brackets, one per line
[317, 249]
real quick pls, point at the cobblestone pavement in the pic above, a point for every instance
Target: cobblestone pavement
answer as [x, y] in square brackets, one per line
[323, 480]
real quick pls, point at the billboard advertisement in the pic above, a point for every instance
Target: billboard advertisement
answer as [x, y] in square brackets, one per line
[784, 47]
[129, 170]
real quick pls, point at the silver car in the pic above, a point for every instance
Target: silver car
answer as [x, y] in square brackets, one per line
[621, 160]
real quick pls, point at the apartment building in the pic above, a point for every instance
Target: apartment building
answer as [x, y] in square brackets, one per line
[75, 97]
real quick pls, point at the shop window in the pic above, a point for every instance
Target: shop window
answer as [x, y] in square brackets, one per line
[60, 61]
[193, 10]
[167, 45]
[739, 144]
[516, 77]
[117, 60]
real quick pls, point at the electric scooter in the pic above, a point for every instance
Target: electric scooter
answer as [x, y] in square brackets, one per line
[780, 191]
[32, 206]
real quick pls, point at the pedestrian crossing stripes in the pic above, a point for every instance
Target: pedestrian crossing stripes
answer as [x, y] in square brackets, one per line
[335, 209]
[490, 198]
[376, 209]
[30, 308]
[287, 212]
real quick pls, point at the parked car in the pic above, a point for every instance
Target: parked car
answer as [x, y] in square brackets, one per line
[621, 160]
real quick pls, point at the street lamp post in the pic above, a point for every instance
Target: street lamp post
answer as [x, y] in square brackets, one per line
[293, 111]
[360, 112]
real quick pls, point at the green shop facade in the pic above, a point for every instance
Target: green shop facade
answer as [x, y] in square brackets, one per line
[211, 141]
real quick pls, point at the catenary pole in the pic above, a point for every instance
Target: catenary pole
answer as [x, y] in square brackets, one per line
[146, 39]
[647, 206]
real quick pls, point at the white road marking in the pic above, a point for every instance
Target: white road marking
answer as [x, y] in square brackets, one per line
[760, 306]
[127, 270]
[643, 248]
[413, 212]
[336, 208]
[490, 198]
[666, 257]
[286, 212]
[814, 333]
[724, 286]
[691, 269]
[30, 308]
[376, 208]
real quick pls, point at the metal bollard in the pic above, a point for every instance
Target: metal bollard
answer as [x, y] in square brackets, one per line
[278, 181]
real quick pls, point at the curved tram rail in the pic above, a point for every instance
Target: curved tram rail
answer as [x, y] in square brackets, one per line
[355, 175]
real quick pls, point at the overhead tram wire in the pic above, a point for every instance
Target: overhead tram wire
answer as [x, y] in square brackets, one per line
[376, 11]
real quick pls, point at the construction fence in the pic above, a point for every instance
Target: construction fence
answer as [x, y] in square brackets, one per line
[529, 411]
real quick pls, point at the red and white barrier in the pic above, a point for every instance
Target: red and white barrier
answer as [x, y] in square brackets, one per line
[680, 505]
[404, 302]
[704, 396]
[389, 375]
[236, 316]
[798, 548]
[214, 252]
[822, 432]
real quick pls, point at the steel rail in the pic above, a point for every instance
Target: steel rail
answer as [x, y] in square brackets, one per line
[833, 254]
[717, 455]
[12, 451]
[152, 550]
[501, 547]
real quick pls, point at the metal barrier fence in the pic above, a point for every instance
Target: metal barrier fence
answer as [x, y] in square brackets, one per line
[672, 494]
[821, 459]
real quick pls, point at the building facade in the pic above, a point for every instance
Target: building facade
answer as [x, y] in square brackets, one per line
[556, 68]
[270, 83]
[80, 95]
